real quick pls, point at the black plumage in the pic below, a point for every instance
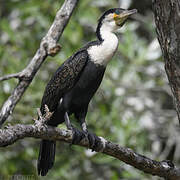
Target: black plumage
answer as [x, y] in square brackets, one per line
[70, 83]
[63, 80]
[75, 82]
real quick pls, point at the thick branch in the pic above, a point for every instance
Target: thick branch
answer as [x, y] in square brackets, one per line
[48, 46]
[167, 18]
[163, 169]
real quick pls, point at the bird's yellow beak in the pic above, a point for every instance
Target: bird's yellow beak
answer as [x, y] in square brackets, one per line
[120, 18]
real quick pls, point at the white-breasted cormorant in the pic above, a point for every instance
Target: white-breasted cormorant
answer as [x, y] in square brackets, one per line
[75, 82]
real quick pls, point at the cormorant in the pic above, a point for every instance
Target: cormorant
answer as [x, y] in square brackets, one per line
[75, 82]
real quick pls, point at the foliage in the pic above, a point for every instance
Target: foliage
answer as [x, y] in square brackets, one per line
[133, 106]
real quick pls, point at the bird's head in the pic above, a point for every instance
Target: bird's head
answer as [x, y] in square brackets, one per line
[113, 19]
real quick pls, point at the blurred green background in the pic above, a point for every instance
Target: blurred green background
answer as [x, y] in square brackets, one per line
[133, 106]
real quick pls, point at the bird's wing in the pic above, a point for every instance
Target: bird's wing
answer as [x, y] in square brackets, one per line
[63, 80]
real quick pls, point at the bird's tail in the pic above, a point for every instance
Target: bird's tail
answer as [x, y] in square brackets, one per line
[46, 156]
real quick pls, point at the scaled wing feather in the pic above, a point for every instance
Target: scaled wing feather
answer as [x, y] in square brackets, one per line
[63, 80]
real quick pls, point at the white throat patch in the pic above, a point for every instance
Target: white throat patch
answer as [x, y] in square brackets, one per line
[102, 54]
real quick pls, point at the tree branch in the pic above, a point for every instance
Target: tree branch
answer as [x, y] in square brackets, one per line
[167, 19]
[163, 169]
[10, 76]
[48, 46]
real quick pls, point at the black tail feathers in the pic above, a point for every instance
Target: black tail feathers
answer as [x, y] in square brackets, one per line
[46, 156]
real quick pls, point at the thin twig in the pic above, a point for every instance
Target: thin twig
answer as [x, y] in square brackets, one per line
[9, 76]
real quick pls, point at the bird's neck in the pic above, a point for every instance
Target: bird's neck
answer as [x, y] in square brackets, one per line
[102, 53]
[107, 36]
[103, 29]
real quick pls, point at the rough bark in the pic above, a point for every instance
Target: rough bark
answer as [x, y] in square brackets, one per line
[167, 19]
[162, 169]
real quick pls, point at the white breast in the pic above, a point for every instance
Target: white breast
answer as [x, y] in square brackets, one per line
[103, 53]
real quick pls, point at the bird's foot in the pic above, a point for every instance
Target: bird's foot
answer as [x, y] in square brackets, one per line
[95, 143]
[77, 135]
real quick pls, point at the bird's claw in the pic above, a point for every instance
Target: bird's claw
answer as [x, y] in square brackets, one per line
[77, 135]
[93, 141]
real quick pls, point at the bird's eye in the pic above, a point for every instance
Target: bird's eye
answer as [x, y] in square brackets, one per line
[117, 11]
